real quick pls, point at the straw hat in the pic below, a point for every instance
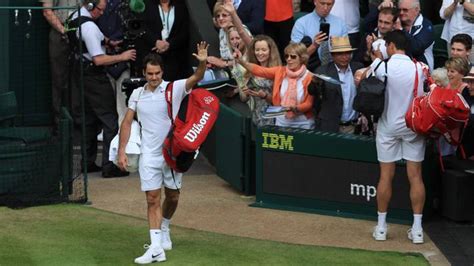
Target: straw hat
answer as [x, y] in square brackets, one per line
[341, 44]
[470, 75]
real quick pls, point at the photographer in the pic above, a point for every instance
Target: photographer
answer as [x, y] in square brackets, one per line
[110, 24]
[458, 15]
[100, 105]
[166, 24]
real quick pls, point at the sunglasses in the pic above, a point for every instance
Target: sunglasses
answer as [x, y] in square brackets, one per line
[292, 56]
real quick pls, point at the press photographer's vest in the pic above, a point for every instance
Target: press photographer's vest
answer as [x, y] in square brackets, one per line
[72, 26]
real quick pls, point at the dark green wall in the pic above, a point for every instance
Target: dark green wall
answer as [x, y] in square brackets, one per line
[24, 61]
[4, 58]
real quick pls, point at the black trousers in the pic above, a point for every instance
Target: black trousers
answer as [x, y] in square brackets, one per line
[100, 113]
[59, 52]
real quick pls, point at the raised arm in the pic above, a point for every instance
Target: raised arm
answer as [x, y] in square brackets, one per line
[229, 7]
[256, 70]
[201, 56]
[448, 9]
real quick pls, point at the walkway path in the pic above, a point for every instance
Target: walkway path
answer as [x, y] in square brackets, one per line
[208, 203]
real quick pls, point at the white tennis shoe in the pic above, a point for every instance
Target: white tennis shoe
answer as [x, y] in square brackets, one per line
[166, 239]
[380, 233]
[153, 254]
[415, 236]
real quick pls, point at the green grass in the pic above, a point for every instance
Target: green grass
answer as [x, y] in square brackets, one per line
[79, 235]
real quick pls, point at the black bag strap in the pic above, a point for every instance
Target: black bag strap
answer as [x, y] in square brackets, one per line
[72, 26]
[136, 113]
[386, 66]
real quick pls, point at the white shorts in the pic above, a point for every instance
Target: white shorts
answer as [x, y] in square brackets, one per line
[154, 172]
[410, 147]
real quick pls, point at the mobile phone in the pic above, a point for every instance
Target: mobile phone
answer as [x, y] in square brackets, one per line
[324, 27]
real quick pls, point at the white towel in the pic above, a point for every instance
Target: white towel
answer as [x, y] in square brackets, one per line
[132, 149]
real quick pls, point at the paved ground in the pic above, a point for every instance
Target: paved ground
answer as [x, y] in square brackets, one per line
[208, 203]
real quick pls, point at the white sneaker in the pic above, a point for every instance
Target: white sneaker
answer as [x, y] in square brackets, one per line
[166, 239]
[153, 254]
[380, 233]
[415, 236]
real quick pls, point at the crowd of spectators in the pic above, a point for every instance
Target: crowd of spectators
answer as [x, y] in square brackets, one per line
[332, 104]
[327, 48]
[328, 41]
[261, 31]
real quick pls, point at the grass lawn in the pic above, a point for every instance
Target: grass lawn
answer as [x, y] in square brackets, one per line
[68, 234]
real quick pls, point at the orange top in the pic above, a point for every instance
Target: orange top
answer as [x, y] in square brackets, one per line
[277, 74]
[278, 10]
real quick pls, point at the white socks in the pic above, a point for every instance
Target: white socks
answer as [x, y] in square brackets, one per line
[417, 222]
[165, 223]
[155, 237]
[381, 220]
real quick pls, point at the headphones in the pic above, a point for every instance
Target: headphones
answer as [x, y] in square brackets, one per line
[90, 4]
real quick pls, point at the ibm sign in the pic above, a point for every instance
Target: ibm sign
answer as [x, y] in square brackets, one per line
[285, 172]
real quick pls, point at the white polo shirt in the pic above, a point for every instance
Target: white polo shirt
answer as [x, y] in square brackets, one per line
[348, 11]
[398, 93]
[152, 112]
[91, 35]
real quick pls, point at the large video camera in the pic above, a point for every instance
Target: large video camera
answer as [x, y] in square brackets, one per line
[133, 27]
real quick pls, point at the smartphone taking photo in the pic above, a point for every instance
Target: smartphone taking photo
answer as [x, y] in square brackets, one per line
[324, 27]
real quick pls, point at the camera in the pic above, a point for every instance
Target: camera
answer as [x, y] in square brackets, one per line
[132, 25]
[128, 85]
[133, 29]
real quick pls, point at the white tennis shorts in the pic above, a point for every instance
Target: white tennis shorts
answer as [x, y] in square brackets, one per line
[154, 172]
[390, 148]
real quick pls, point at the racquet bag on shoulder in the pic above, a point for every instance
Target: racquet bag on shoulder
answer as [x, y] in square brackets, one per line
[441, 112]
[196, 116]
